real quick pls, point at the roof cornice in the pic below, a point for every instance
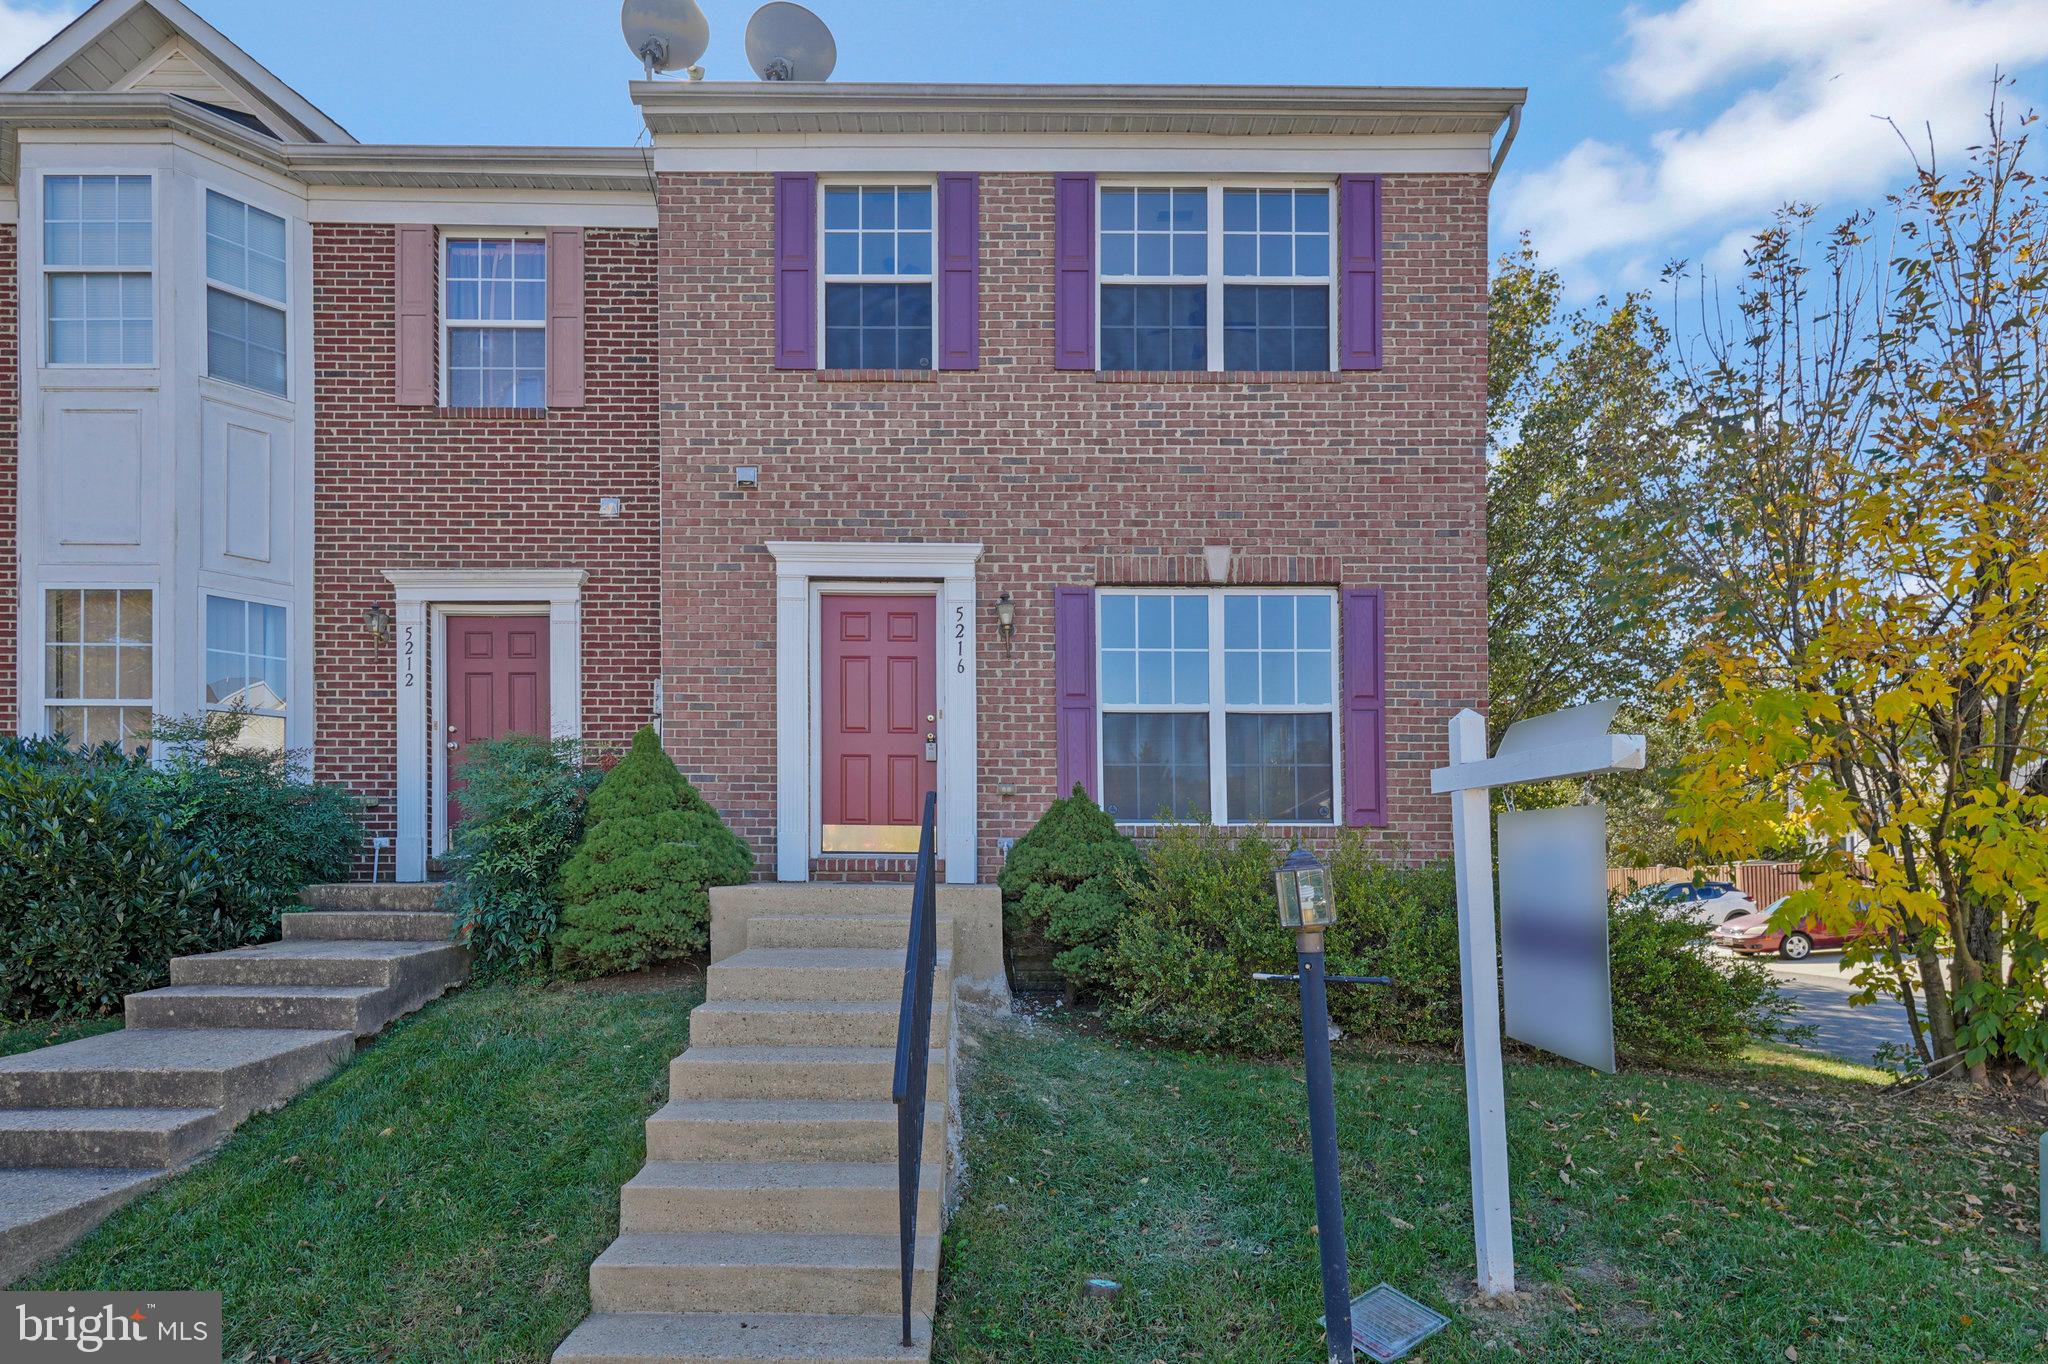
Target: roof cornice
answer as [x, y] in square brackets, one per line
[725, 108]
[613, 169]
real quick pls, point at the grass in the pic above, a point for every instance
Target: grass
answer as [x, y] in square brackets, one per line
[48, 1032]
[1774, 1211]
[440, 1198]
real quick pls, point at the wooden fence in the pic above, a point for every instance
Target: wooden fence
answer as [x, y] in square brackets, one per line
[1762, 882]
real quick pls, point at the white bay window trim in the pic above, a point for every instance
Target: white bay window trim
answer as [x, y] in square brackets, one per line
[1217, 707]
[48, 272]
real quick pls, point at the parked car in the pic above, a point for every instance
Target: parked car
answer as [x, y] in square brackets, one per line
[1709, 902]
[1752, 934]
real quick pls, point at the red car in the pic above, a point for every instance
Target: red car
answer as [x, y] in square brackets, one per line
[1752, 933]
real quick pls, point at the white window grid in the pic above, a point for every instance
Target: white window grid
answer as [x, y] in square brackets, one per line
[127, 698]
[1216, 707]
[1213, 276]
[448, 237]
[135, 279]
[222, 252]
[251, 655]
[827, 277]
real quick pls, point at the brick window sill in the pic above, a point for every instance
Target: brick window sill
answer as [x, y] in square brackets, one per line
[492, 414]
[1213, 377]
[877, 376]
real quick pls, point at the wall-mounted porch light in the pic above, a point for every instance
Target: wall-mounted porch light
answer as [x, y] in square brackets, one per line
[377, 621]
[1006, 617]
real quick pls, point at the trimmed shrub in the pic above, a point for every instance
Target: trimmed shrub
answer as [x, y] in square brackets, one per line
[523, 806]
[635, 891]
[110, 867]
[1202, 922]
[1064, 891]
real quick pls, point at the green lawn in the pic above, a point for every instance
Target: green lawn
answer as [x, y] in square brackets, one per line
[48, 1032]
[1766, 1214]
[440, 1198]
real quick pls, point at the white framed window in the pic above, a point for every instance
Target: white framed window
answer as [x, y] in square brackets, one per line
[246, 280]
[1217, 705]
[494, 315]
[878, 278]
[1215, 276]
[99, 283]
[99, 664]
[247, 667]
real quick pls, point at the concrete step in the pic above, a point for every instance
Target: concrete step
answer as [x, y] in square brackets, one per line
[825, 975]
[874, 931]
[861, 1073]
[235, 1070]
[317, 961]
[360, 1010]
[795, 1023]
[43, 1211]
[779, 1130]
[409, 896]
[114, 1138]
[727, 1272]
[756, 1338]
[370, 924]
[801, 1197]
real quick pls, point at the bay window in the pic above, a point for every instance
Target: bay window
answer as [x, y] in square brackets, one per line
[98, 270]
[1217, 705]
[1215, 277]
[245, 294]
[246, 670]
[99, 664]
[878, 277]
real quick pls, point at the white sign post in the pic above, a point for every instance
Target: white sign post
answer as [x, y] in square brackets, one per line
[1566, 743]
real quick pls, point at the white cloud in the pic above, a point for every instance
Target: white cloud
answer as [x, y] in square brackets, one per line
[1809, 84]
[24, 28]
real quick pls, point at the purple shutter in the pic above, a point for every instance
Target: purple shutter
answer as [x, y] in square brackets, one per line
[414, 309]
[959, 272]
[796, 290]
[1073, 672]
[1365, 707]
[565, 317]
[1358, 263]
[1073, 263]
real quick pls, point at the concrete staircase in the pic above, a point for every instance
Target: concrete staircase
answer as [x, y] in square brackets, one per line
[88, 1125]
[763, 1227]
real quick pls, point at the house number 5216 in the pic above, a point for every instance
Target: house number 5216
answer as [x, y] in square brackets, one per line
[959, 639]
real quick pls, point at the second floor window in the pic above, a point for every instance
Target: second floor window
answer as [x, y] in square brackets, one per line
[98, 257]
[494, 318]
[878, 277]
[245, 294]
[1215, 277]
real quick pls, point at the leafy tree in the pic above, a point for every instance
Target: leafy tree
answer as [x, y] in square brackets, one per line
[635, 891]
[1869, 683]
[523, 802]
[1065, 881]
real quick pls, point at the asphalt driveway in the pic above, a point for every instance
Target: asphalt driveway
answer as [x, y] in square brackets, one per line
[1822, 990]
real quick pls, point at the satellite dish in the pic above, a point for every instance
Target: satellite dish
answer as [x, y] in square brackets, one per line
[666, 35]
[787, 42]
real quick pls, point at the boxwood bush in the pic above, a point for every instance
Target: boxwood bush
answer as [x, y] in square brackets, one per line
[636, 890]
[1064, 895]
[523, 802]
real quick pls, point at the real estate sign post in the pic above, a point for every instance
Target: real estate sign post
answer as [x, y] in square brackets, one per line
[1566, 743]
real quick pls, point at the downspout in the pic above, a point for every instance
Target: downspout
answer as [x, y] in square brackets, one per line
[1514, 126]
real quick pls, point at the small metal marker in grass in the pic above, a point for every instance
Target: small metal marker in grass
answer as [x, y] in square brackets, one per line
[1386, 1323]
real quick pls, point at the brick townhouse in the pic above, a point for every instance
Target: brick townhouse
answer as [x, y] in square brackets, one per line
[871, 439]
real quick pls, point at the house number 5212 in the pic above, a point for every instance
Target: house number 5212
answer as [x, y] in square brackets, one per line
[406, 649]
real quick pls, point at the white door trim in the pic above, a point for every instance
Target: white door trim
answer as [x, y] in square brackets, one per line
[424, 598]
[950, 567]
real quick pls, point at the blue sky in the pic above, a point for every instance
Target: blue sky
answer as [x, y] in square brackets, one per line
[1653, 130]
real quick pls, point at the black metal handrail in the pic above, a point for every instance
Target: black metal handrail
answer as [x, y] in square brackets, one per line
[913, 1048]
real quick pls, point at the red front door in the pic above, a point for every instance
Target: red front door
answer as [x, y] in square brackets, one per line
[878, 704]
[497, 685]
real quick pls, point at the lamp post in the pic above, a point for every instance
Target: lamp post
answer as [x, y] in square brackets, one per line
[1302, 888]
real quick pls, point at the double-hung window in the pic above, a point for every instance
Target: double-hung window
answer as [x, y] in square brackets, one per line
[245, 294]
[99, 663]
[98, 258]
[1218, 705]
[494, 315]
[246, 668]
[878, 277]
[1215, 277]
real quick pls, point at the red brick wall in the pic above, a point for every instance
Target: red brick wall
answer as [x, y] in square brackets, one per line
[1358, 479]
[10, 445]
[416, 488]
